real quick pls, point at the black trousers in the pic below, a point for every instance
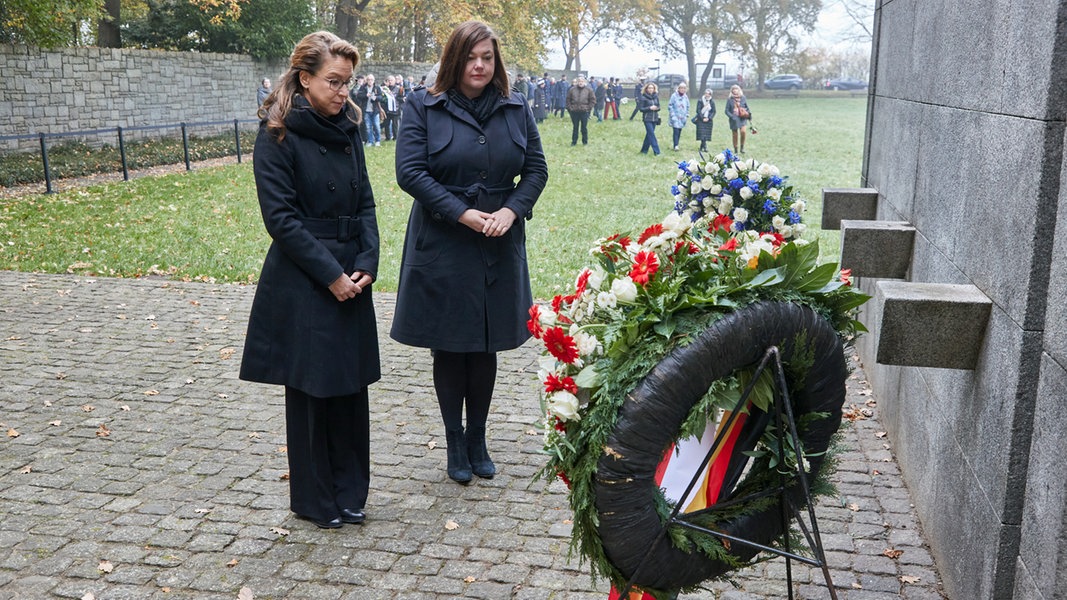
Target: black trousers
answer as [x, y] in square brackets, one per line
[329, 453]
[580, 119]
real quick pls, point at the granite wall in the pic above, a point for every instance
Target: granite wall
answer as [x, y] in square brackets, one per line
[79, 89]
[965, 140]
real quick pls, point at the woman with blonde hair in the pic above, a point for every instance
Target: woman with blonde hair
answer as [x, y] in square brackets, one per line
[312, 326]
[739, 114]
[648, 104]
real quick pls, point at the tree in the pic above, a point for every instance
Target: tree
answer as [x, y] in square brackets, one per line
[766, 30]
[680, 27]
[861, 13]
[46, 24]
[347, 18]
[576, 23]
[107, 28]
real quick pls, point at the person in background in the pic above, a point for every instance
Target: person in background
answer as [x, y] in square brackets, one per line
[638, 90]
[618, 96]
[369, 99]
[648, 104]
[464, 289]
[580, 101]
[263, 91]
[563, 87]
[391, 108]
[519, 85]
[312, 325]
[610, 108]
[540, 101]
[739, 114]
[599, 94]
[703, 119]
[678, 112]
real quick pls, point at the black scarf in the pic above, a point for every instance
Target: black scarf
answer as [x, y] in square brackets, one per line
[481, 107]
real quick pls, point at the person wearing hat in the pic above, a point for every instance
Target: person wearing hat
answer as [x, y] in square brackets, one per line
[540, 101]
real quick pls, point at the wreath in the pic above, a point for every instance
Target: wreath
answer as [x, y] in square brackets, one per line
[659, 338]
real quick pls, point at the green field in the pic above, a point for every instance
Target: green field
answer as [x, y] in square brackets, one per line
[205, 225]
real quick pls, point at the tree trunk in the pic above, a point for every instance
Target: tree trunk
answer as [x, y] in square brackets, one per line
[107, 28]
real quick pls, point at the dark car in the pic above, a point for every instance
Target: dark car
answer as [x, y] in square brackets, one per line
[784, 82]
[846, 83]
[668, 81]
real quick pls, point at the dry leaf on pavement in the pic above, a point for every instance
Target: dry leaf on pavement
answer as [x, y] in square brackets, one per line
[279, 530]
[105, 566]
[892, 553]
[245, 594]
[13, 433]
[451, 525]
[909, 579]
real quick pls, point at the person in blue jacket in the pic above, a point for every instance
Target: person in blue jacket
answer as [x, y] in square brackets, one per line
[464, 289]
[312, 326]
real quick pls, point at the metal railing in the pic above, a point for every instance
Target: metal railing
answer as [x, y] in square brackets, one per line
[119, 131]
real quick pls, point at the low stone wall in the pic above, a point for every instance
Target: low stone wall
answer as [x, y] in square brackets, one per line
[80, 89]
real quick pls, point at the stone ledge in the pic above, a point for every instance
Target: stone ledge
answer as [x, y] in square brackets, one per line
[848, 203]
[879, 249]
[931, 324]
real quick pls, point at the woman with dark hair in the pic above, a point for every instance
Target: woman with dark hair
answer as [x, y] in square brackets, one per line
[703, 119]
[312, 326]
[648, 104]
[464, 288]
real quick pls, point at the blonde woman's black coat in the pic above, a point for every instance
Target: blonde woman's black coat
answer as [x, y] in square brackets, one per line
[459, 290]
[318, 209]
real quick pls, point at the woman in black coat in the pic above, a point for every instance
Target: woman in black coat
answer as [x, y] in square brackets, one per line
[739, 114]
[464, 283]
[648, 104]
[312, 326]
[703, 119]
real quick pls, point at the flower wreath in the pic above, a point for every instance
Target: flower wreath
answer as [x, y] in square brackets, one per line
[733, 239]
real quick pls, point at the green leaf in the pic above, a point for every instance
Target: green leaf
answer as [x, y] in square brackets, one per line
[587, 377]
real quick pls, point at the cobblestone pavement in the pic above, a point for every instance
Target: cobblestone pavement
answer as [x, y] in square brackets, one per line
[134, 464]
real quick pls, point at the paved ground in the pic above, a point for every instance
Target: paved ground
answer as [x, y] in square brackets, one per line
[136, 465]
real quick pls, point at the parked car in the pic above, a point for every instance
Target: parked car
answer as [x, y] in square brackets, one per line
[668, 81]
[846, 83]
[788, 81]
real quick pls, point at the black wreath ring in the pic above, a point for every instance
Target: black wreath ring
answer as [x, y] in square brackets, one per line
[652, 415]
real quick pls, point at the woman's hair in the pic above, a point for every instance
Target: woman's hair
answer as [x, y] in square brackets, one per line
[454, 57]
[735, 87]
[309, 55]
[654, 87]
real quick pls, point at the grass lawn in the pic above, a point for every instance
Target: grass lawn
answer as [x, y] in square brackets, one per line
[205, 225]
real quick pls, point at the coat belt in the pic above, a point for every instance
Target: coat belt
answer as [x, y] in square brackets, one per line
[342, 229]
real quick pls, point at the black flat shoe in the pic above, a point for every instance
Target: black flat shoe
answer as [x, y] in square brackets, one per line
[355, 516]
[331, 524]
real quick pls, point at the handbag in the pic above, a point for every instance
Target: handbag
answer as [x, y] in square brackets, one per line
[657, 121]
[742, 112]
[695, 119]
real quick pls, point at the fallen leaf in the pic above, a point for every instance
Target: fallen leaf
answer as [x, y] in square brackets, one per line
[232, 563]
[124, 408]
[612, 452]
[451, 525]
[568, 521]
[909, 579]
[253, 435]
[25, 470]
[881, 434]
[166, 589]
[105, 566]
[245, 594]
[151, 392]
[48, 403]
[872, 403]
[150, 318]
[856, 585]
[284, 476]
[469, 579]
[533, 432]
[891, 553]
[203, 511]
[226, 353]
[88, 596]
[88, 407]
[61, 376]
[190, 381]
[12, 433]
[401, 423]
[283, 449]
[194, 302]
[55, 423]
[103, 431]
[431, 445]
[279, 530]
[854, 507]
[875, 472]
[222, 396]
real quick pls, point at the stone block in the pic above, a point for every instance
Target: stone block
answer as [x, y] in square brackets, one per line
[848, 203]
[880, 249]
[931, 324]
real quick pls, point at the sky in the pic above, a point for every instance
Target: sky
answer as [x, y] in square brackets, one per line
[608, 58]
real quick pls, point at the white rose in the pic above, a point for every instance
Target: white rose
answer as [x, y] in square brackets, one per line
[740, 214]
[586, 343]
[606, 300]
[774, 171]
[799, 229]
[656, 241]
[692, 165]
[720, 158]
[715, 190]
[710, 203]
[711, 168]
[774, 194]
[786, 231]
[707, 182]
[694, 188]
[596, 277]
[681, 175]
[755, 176]
[745, 192]
[624, 289]
[547, 317]
[564, 405]
[765, 170]
[799, 206]
[730, 174]
[778, 222]
[674, 222]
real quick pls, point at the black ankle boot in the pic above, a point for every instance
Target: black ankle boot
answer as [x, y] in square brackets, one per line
[480, 462]
[459, 466]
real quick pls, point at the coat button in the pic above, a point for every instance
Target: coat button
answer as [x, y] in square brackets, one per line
[331, 186]
[355, 183]
[437, 216]
[322, 149]
[348, 149]
[484, 175]
[481, 139]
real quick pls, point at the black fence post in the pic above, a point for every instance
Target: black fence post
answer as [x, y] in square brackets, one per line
[47, 169]
[122, 153]
[185, 147]
[237, 139]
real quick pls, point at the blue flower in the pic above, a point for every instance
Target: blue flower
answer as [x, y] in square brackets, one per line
[696, 178]
[679, 206]
[754, 186]
[684, 165]
[776, 181]
[730, 156]
[694, 217]
[794, 218]
[674, 190]
[770, 207]
[737, 183]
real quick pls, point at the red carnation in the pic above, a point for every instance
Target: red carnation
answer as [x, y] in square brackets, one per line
[645, 266]
[555, 384]
[651, 231]
[729, 246]
[560, 345]
[779, 239]
[557, 303]
[846, 276]
[534, 324]
[722, 222]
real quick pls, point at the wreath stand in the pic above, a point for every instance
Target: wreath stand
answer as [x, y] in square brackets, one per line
[784, 421]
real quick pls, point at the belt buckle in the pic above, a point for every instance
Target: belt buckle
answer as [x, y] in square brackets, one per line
[344, 229]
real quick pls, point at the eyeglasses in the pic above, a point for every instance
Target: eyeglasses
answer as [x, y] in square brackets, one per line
[336, 84]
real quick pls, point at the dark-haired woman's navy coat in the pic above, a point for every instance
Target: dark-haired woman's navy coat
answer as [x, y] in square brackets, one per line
[459, 290]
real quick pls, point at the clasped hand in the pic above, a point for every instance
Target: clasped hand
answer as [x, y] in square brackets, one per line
[347, 287]
[493, 224]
